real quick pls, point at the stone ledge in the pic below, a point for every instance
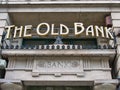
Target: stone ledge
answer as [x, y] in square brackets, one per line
[62, 2]
[85, 69]
[97, 69]
[18, 69]
[59, 82]
[112, 81]
[89, 52]
[12, 81]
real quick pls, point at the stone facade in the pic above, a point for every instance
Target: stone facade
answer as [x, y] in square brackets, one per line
[96, 68]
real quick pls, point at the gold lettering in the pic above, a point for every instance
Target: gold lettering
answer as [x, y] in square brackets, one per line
[99, 30]
[27, 27]
[90, 30]
[108, 33]
[65, 28]
[47, 30]
[8, 28]
[20, 32]
[52, 31]
[80, 25]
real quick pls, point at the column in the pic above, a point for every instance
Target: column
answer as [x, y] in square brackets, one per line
[116, 27]
[4, 20]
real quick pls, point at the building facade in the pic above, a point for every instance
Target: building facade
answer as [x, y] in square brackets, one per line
[60, 45]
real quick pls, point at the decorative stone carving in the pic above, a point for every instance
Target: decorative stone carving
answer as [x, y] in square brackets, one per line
[12, 62]
[11, 86]
[105, 86]
[96, 63]
[58, 66]
[58, 40]
[29, 63]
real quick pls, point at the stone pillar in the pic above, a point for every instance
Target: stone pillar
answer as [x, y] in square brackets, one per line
[116, 28]
[4, 20]
[11, 86]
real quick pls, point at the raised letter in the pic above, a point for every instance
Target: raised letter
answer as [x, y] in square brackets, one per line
[43, 24]
[65, 28]
[90, 30]
[76, 25]
[9, 30]
[52, 30]
[99, 29]
[27, 27]
[108, 33]
[20, 31]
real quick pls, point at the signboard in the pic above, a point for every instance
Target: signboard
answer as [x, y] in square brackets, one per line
[58, 65]
[91, 30]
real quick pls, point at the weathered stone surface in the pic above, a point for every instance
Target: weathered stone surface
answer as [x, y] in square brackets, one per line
[116, 27]
[11, 86]
[115, 15]
[105, 86]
